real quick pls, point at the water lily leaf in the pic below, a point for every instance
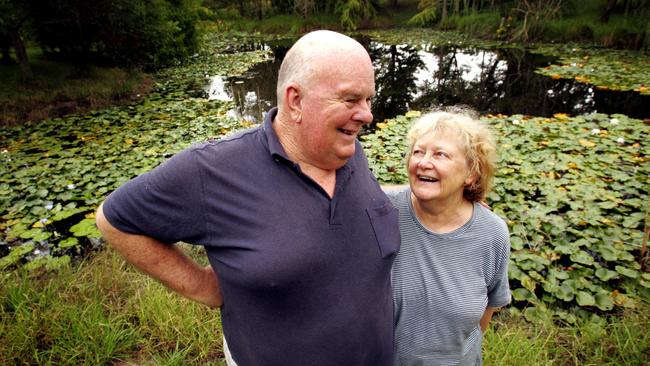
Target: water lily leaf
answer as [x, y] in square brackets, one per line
[605, 274]
[608, 252]
[15, 255]
[627, 272]
[565, 292]
[633, 220]
[604, 302]
[528, 283]
[68, 243]
[516, 243]
[582, 257]
[585, 299]
[64, 214]
[522, 294]
[537, 314]
[86, 227]
[35, 234]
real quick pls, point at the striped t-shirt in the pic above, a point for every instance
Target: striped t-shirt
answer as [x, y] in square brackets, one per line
[442, 284]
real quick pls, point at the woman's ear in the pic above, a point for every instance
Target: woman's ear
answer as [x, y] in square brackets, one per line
[293, 101]
[471, 179]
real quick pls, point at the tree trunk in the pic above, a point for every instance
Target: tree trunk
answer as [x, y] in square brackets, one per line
[611, 4]
[242, 11]
[21, 53]
[5, 44]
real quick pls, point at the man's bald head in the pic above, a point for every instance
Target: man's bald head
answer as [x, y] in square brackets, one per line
[313, 54]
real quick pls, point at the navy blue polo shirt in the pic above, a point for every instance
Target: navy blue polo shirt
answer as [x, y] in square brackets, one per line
[305, 278]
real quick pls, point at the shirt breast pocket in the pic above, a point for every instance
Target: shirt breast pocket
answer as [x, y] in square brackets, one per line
[384, 221]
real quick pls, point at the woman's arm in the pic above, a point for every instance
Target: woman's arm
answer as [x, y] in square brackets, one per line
[487, 316]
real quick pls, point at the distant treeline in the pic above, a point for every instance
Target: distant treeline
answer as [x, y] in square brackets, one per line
[155, 33]
[507, 20]
[144, 33]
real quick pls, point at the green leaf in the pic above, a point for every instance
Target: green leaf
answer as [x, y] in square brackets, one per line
[86, 227]
[585, 299]
[68, 243]
[15, 255]
[521, 294]
[604, 302]
[627, 272]
[565, 292]
[605, 274]
[537, 314]
[35, 234]
[633, 220]
[582, 257]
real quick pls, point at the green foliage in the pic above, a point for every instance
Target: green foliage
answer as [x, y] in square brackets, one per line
[617, 340]
[574, 193]
[606, 69]
[105, 312]
[55, 173]
[352, 12]
[428, 14]
[149, 33]
[386, 148]
[102, 313]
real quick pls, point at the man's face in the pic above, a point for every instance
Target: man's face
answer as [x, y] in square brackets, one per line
[335, 106]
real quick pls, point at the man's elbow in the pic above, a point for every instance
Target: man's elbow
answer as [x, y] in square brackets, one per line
[100, 220]
[109, 232]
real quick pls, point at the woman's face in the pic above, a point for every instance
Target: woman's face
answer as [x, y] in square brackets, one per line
[437, 168]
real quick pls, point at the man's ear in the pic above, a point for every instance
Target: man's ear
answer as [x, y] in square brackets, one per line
[293, 101]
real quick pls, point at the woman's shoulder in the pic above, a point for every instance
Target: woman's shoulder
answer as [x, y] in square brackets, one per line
[491, 220]
[399, 195]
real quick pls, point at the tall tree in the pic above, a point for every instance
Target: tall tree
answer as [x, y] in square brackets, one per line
[12, 18]
[149, 33]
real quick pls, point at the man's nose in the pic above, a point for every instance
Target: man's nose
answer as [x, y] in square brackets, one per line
[364, 115]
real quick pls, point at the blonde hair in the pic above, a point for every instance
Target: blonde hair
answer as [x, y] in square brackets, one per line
[473, 137]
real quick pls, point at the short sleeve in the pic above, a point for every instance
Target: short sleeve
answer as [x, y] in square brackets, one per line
[499, 289]
[164, 203]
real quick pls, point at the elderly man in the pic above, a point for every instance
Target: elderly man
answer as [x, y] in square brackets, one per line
[300, 235]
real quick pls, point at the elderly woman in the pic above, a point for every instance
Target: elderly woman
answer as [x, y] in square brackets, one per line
[451, 273]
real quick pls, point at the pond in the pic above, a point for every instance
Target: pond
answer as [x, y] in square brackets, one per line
[495, 81]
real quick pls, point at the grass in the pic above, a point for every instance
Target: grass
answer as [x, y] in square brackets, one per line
[621, 339]
[101, 311]
[56, 90]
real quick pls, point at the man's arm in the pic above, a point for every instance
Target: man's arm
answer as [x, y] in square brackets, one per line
[164, 262]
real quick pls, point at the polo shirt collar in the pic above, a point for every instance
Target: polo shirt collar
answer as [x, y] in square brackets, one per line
[275, 147]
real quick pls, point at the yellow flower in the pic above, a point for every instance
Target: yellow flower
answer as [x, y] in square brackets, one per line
[582, 79]
[642, 89]
[381, 125]
[586, 143]
[411, 114]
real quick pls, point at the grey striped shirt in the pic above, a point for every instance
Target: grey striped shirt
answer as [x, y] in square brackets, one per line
[442, 284]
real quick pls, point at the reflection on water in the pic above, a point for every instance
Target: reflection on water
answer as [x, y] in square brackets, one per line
[423, 77]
